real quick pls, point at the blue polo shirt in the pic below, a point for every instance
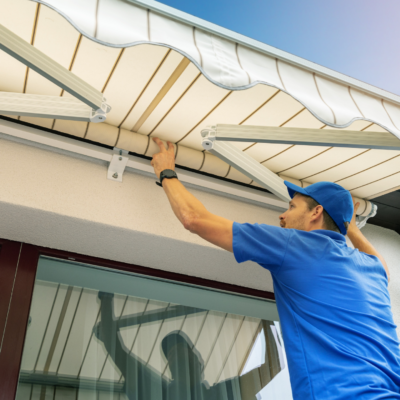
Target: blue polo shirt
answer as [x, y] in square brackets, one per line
[335, 312]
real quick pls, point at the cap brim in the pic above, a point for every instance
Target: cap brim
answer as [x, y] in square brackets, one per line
[292, 189]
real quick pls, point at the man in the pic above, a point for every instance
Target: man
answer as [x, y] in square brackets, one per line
[333, 301]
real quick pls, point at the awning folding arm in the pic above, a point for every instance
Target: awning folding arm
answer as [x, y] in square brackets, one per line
[89, 105]
[249, 167]
[244, 163]
[309, 137]
[47, 107]
[216, 140]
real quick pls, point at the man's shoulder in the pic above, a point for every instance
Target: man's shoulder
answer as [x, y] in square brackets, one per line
[261, 243]
[267, 234]
[316, 248]
[320, 235]
[261, 228]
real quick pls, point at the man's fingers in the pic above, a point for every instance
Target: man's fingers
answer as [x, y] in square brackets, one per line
[356, 205]
[171, 147]
[160, 144]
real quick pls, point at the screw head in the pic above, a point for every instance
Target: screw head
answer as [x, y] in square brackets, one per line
[115, 175]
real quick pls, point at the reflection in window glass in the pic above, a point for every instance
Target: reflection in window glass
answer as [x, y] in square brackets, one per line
[101, 334]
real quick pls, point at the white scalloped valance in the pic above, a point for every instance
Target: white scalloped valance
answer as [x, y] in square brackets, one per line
[226, 60]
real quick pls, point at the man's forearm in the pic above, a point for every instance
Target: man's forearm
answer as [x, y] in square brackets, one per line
[190, 211]
[361, 243]
[184, 205]
[196, 218]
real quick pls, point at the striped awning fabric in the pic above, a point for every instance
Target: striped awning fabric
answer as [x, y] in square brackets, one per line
[167, 74]
[232, 65]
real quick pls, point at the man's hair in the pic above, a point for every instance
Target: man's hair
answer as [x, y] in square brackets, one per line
[329, 223]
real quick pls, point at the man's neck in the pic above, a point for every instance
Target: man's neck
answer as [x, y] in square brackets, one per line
[315, 227]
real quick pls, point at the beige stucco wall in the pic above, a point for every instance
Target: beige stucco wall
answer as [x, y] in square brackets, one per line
[66, 202]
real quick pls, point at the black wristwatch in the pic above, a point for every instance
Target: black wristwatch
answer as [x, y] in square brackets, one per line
[167, 174]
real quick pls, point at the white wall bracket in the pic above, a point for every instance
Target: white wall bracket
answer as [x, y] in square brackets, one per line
[90, 106]
[117, 164]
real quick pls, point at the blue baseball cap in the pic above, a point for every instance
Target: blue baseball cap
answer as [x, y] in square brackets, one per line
[335, 199]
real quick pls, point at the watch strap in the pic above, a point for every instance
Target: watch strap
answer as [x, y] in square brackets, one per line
[172, 174]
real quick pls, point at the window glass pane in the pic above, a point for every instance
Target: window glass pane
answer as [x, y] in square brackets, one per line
[97, 333]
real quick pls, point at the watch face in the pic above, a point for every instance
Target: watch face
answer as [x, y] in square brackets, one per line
[169, 173]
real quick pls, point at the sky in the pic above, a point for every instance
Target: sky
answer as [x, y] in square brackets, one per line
[359, 38]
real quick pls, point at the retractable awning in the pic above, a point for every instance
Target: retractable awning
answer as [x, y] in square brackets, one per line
[167, 74]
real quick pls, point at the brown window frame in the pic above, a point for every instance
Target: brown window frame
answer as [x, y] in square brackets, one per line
[18, 265]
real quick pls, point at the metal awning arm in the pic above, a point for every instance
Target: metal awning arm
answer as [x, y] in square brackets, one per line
[33, 58]
[310, 137]
[245, 164]
[54, 107]
[216, 142]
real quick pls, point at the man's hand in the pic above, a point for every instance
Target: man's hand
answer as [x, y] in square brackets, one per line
[165, 159]
[361, 243]
[353, 219]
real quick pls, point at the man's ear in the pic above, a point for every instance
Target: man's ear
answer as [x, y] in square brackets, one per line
[317, 212]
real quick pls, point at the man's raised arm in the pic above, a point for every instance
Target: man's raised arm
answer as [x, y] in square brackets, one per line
[361, 243]
[189, 210]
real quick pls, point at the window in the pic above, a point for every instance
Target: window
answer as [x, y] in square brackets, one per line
[97, 333]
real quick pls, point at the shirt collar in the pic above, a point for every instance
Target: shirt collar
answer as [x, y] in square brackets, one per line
[333, 235]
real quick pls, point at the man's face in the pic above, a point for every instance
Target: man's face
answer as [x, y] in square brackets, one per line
[297, 216]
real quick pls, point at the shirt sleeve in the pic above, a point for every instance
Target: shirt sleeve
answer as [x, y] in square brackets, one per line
[263, 244]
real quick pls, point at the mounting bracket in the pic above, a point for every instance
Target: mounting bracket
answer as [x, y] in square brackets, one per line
[117, 164]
